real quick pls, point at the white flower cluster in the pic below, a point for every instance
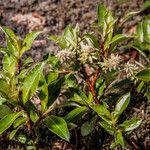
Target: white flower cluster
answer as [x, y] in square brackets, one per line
[130, 69]
[112, 63]
[87, 54]
[66, 56]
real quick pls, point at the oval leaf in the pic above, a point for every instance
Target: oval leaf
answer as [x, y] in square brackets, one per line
[31, 82]
[27, 42]
[58, 126]
[144, 75]
[8, 120]
[4, 110]
[75, 114]
[121, 105]
[131, 124]
[103, 112]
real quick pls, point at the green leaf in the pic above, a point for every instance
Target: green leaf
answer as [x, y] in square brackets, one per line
[71, 80]
[121, 105]
[128, 16]
[19, 121]
[60, 40]
[140, 87]
[71, 125]
[131, 124]
[92, 40]
[144, 75]
[140, 32]
[54, 90]
[100, 86]
[31, 82]
[88, 126]
[109, 128]
[4, 110]
[118, 38]
[22, 138]
[27, 61]
[58, 126]
[52, 76]
[4, 87]
[118, 140]
[43, 92]
[103, 112]
[148, 93]
[33, 116]
[146, 4]
[13, 42]
[12, 133]
[27, 42]
[2, 100]
[74, 96]
[9, 64]
[8, 120]
[101, 13]
[71, 35]
[75, 114]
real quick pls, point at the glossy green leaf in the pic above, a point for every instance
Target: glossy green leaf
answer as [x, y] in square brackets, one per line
[27, 42]
[52, 76]
[103, 112]
[92, 40]
[88, 126]
[31, 82]
[2, 100]
[146, 4]
[19, 121]
[54, 90]
[121, 105]
[58, 126]
[4, 110]
[4, 87]
[73, 96]
[109, 128]
[119, 38]
[119, 140]
[60, 40]
[13, 133]
[71, 126]
[71, 80]
[9, 64]
[71, 35]
[8, 120]
[127, 16]
[101, 13]
[43, 92]
[33, 116]
[131, 124]
[140, 86]
[144, 75]
[140, 32]
[13, 42]
[75, 114]
[22, 138]
[148, 93]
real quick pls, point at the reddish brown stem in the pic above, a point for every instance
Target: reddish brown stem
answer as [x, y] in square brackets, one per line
[90, 83]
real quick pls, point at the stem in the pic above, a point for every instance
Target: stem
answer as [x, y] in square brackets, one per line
[90, 83]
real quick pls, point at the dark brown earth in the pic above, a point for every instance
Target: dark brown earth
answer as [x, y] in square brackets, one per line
[52, 16]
